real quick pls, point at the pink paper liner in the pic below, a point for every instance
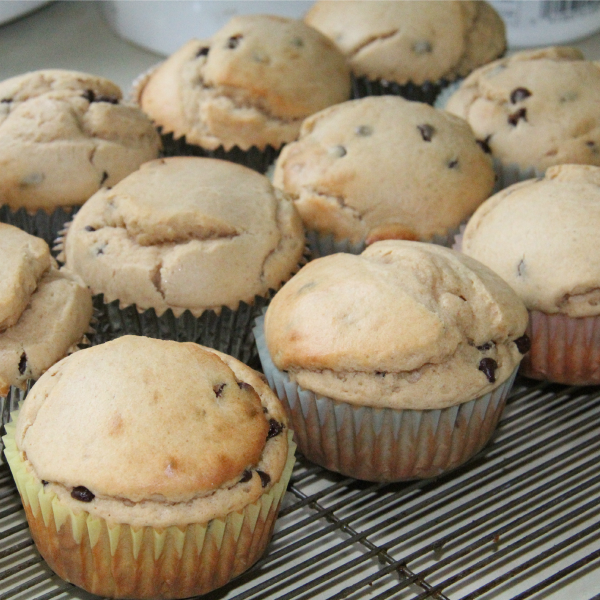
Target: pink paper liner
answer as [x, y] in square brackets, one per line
[563, 349]
[384, 444]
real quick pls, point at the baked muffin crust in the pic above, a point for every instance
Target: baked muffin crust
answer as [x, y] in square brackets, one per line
[252, 84]
[63, 135]
[412, 41]
[540, 236]
[403, 325]
[186, 233]
[159, 432]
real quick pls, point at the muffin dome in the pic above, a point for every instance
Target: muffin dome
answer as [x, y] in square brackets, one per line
[535, 109]
[65, 134]
[251, 84]
[186, 233]
[403, 325]
[384, 167]
[412, 41]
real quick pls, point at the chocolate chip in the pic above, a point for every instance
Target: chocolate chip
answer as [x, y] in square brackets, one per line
[485, 144]
[6, 100]
[218, 389]
[590, 144]
[338, 151]
[488, 366]
[246, 476]
[363, 130]
[516, 117]
[82, 494]
[104, 177]
[427, 132]
[519, 94]
[486, 346]
[244, 386]
[453, 164]
[89, 228]
[275, 428]
[264, 478]
[22, 363]
[381, 373]
[89, 95]
[233, 41]
[422, 47]
[44, 482]
[202, 52]
[523, 344]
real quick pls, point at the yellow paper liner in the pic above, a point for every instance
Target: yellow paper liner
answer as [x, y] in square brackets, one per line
[120, 561]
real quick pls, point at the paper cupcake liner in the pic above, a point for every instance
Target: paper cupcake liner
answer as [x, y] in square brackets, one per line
[384, 444]
[324, 245]
[563, 349]
[42, 224]
[118, 560]
[427, 92]
[229, 331]
[9, 404]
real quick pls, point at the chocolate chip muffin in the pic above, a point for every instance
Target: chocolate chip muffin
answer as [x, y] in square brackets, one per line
[539, 236]
[367, 350]
[64, 135]
[197, 243]
[165, 482]
[383, 168]
[44, 312]
[533, 110]
[410, 48]
[243, 93]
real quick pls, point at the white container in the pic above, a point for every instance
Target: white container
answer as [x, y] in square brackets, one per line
[547, 22]
[164, 26]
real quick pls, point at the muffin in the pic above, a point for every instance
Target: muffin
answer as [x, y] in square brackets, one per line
[196, 511]
[383, 168]
[533, 110]
[43, 311]
[64, 135]
[394, 364]
[243, 93]
[541, 237]
[412, 49]
[193, 244]
[44, 314]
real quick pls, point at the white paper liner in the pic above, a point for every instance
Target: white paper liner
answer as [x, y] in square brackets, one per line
[120, 561]
[324, 245]
[563, 349]
[384, 444]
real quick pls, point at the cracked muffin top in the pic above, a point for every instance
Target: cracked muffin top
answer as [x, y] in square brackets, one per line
[412, 41]
[251, 84]
[186, 233]
[44, 312]
[384, 168]
[537, 108]
[539, 236]
[65, 134]
[220, 444]
[403, 325]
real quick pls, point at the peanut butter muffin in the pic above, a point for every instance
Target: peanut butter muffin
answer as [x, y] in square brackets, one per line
[187, 234]
[63, 135]
[533, 110]
[540, 236]
[44, 312]
[243, 93]
[165, 482]
[410, 48]
[407, 337]
[383, 168]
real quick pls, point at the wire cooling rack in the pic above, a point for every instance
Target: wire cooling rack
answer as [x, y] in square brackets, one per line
[521, 520]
